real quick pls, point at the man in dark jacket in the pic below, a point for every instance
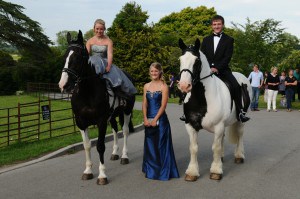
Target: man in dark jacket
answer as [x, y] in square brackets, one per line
[218, 49]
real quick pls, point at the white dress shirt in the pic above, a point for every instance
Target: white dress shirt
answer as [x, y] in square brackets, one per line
[216, 42]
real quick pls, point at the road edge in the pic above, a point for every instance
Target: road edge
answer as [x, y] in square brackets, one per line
[66, 150]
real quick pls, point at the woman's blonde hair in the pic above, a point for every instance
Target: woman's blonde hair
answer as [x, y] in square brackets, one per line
[158, 66]
[274, 68]
[99, 21]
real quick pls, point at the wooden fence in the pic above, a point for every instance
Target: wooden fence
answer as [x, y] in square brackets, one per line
[45, 118]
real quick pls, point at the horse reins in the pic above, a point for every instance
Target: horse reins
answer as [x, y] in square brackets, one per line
[196, 79]
[73, 72]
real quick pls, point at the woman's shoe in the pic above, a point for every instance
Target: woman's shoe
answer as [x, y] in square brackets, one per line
[275, 110]
[268, 110]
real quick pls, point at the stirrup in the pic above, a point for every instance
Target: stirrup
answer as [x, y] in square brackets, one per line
[243, 118]
[122, 102]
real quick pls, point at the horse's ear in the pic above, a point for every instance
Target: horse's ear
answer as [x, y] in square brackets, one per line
[197, 44]
[181, 44]
[80, 37]
[68, 38]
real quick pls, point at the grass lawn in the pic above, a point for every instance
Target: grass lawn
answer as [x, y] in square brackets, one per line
[24, 151]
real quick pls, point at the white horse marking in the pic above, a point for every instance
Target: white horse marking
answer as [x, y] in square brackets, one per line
[87, 147]
[186, 62]
[64, 75]
[193, 168]
[115, 146]
[102, 171]
[125, 134]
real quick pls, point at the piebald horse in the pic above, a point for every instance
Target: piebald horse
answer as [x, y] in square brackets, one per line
[92, 104]
[208, 105]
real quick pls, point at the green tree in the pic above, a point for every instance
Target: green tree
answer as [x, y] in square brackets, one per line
[187, 24]
[7, 84]
[61, 38]
[20, 31]
[6, 59]
[89, 34]
[262, 42]
[130, 19]
[292, 61]
[136, 44]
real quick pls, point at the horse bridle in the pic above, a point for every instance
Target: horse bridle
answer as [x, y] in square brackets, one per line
[72, 72]
[195, 78]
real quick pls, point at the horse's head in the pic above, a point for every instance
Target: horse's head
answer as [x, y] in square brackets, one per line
[75, 58]
[190, 65]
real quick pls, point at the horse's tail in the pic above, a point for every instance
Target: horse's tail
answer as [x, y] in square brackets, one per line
[235, 131]
[246, 97]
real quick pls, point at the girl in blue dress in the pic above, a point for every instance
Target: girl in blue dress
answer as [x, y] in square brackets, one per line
[159, 159]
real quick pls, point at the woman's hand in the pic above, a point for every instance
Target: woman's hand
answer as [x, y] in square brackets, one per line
[153, 123]
[107, 69]
[146, 123]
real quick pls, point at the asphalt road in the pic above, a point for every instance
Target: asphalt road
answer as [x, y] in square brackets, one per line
[271, 168]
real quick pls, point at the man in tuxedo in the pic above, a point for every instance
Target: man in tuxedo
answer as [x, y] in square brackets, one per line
[218, 49]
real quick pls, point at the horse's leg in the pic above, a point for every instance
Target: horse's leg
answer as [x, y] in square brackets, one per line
[124, 158]
[216, 170]
[87, 174]
[239, 151]
[223, 150]
[102, 178]
[192, 172]
[114, 126]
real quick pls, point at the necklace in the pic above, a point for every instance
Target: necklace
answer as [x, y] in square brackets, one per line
[100, 38]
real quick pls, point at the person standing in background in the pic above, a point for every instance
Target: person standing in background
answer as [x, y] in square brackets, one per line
[272, 82]
[172, 85]
[256, 77]
[265, 86]
[281, 86]
[290, 83]
[297, 76]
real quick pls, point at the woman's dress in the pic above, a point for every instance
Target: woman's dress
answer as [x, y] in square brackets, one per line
[159, 160]
[116, 76]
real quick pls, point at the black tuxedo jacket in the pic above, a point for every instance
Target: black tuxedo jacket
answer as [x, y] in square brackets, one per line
[221, 58]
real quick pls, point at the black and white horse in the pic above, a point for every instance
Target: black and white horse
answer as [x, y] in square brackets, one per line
[91, 105]
[208, 105]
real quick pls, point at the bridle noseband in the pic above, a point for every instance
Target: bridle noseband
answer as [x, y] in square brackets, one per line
[195, 77]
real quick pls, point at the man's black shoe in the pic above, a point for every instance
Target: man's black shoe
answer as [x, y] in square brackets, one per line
[182, 118]
[243, 118]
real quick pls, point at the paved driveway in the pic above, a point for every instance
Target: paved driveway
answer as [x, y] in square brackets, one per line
[271, 169]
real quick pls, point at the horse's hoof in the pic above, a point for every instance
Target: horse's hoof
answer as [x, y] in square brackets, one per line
[124, 161]
[102, 181]
[87, 176]
[215, 176]
[190, 178]
[239, 160]
[114, 157]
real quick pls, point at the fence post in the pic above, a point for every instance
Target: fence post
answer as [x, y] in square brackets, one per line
[39, 118]
[8, 129]
[50, 118]
[19, 122]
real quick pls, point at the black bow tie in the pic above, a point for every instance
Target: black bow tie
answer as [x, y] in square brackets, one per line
[217, 34]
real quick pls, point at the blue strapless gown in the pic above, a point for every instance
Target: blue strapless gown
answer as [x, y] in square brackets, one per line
[159, 159]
